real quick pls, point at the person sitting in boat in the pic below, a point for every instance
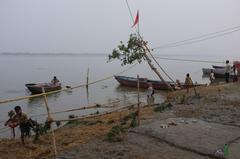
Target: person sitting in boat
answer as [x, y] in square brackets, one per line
[211, 77]
[55, 81]
[188, 82]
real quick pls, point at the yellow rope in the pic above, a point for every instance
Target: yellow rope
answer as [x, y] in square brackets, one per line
[76, 109]
[64, 89]
[80, 107]
[97, 115]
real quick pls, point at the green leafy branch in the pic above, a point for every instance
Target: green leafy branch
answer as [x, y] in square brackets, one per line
[129, 53]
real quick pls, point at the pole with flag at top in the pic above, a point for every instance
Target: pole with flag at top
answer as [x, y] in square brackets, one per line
[136, 22]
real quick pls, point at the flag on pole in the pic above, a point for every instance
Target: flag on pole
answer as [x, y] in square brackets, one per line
[136, 20]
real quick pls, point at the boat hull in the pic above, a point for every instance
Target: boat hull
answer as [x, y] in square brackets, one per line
[218, 67]
[218, 72]
[144, 83]
[37, 88]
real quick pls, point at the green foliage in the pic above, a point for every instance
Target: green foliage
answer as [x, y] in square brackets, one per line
[41, 129]
[163, 106]
[115, 133]
[128, 54]
[134, 119]
[83, 122]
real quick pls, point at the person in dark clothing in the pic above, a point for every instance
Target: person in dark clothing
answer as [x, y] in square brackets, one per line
[23, 123]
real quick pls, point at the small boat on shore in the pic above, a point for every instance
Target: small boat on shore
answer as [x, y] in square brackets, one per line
[218, 67]
[36, 88]
[144, 83]
[218, 72]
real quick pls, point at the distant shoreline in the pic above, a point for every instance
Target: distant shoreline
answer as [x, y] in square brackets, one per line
[51, 54]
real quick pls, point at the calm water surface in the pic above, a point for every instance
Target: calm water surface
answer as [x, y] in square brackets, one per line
[16, 71]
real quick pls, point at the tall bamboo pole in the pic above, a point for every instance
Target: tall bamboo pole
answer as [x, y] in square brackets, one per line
[154, 68]
[149, 61]
[138, 104]
[50, 120]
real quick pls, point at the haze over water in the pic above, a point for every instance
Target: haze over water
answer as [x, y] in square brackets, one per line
[95, 28]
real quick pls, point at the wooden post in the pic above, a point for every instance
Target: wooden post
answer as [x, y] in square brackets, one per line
[87, 92]
[87, 77]
[138, 104]
[50, 120]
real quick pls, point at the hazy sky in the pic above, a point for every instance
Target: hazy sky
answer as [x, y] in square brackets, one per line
[97, 26]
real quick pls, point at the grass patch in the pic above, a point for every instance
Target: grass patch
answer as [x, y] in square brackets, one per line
[117, 132]
[83, 122]
[162, 107]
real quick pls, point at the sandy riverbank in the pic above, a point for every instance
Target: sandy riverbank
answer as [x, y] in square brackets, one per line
[198, 127]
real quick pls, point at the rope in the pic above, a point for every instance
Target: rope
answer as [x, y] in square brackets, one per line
[130, 12]
[161, 68]
[75, 109]
[65, 89]
[97, 115]
[201, 38]
[203, 61]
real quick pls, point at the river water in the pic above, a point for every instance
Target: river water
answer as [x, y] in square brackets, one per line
[71, 70]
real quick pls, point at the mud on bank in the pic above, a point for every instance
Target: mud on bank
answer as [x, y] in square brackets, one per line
[214, 105]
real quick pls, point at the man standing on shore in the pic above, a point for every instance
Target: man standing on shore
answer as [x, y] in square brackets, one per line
[227, 71]
[188, 82]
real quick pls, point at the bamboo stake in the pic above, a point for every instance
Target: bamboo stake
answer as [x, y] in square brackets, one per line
[50, 119]
[138, 104]
[87, 92]
[87, 77]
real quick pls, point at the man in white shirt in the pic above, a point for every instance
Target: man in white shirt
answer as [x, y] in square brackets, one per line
[150, 93]
[211, 77]
[227, 71]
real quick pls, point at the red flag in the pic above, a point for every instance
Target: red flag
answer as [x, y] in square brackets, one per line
[136, 20]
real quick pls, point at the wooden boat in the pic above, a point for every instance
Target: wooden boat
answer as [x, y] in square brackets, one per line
[217, 67]
[218, 72]
[144, 83]
[36, 88]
